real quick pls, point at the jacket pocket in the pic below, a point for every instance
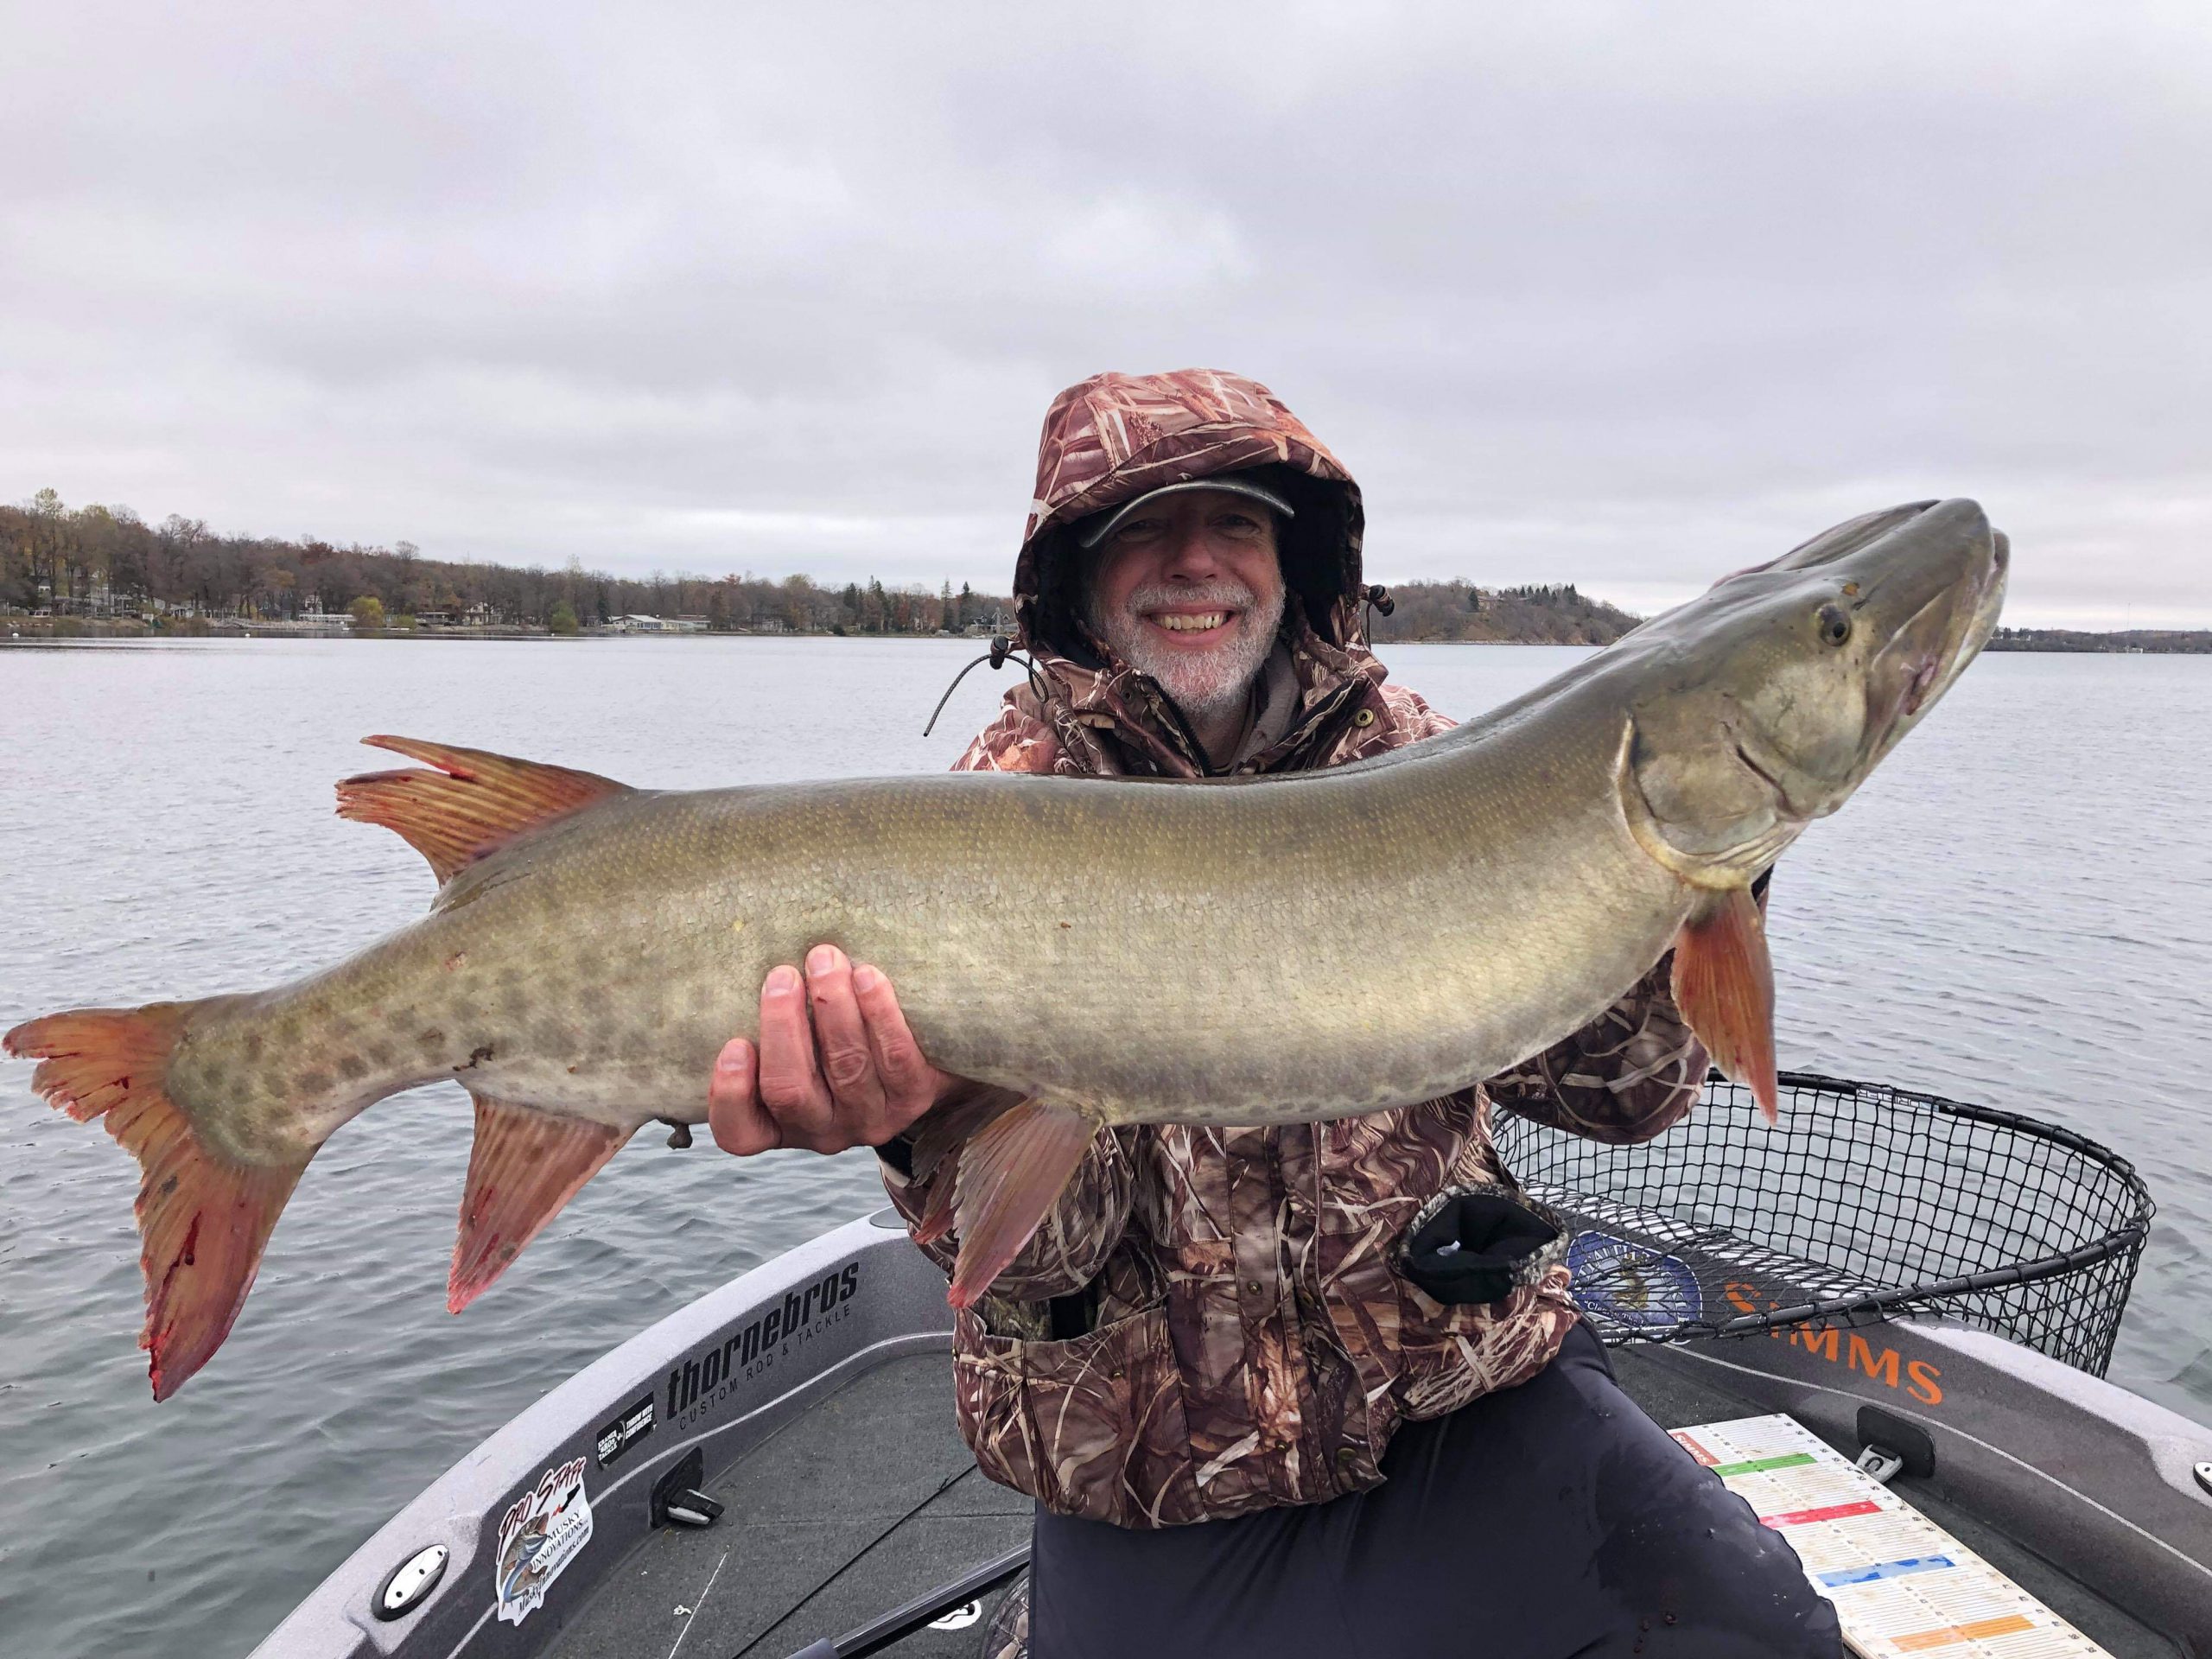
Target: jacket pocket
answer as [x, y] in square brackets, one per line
[1452, 1354]
[1091, 1426]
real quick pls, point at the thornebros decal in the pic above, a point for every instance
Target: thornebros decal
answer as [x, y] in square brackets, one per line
[704, 1378]
[541, 1532]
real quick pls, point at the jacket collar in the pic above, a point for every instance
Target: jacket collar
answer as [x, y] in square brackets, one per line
[1116, 721]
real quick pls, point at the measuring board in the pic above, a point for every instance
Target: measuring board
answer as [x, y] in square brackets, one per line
[1904, 1588]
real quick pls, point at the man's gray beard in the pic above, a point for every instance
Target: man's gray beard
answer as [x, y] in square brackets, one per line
[1204, 688]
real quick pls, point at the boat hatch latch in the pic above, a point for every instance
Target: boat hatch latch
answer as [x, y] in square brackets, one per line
[1880, 1463]
[406, 1586]
[677, 1497]
[1891, 1446]
[2204, 1473]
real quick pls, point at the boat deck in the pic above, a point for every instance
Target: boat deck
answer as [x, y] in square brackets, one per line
[870, 1498]
[864, 1501]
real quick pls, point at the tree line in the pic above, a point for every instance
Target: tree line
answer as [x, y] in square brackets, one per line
[1558, 615]
[105, 561]
[98, 561]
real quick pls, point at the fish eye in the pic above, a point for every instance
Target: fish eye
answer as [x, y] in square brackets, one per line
[1836, 624]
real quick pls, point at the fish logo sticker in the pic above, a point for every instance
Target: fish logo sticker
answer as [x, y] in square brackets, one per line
[1631, 1284]
[541, 1532]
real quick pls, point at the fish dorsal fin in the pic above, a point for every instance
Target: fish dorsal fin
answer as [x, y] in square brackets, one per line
[473, 802]
[525, 1166]
[1724, 984]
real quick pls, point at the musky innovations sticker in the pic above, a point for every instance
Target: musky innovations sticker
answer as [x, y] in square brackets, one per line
[541, 1532]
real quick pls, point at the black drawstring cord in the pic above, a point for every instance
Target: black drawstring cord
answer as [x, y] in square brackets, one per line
[1002, 648]
[1379, 603]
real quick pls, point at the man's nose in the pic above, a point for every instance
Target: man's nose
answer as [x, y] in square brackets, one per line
[1191, 554]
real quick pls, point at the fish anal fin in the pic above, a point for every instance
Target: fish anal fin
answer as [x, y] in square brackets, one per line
[203, 1221]
[1011, 1170]
[1724, 984]
[472, 801]
[524, 1165]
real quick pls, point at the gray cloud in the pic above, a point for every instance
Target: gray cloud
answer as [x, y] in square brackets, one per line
[1621, 295]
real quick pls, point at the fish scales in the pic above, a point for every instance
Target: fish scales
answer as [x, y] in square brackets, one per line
[1127, 911]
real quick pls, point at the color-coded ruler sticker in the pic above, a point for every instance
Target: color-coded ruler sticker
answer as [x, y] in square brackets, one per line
[1902, 1585]
[1761, 1465]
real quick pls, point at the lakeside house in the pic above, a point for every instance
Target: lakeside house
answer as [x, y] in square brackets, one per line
[636, 624]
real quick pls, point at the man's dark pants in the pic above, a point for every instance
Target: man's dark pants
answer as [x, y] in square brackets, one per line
[1544, 1522]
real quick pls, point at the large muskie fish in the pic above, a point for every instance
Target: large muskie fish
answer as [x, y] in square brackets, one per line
[1107, 951]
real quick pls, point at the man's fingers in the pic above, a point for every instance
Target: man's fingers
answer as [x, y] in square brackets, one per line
[835, 1066]
[910, 1082]
[791, 1082]
[734, 1109]
[848, 1061]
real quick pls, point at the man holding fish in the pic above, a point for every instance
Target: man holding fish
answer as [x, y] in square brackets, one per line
[1249, 1426]
[1198, 1131]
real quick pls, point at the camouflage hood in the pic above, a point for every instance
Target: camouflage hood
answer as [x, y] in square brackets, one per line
[1116, 436]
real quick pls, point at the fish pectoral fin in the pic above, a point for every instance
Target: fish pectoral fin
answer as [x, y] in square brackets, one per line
[937, 1214]
[475, 801]
[942, 1130]
[1724, 984]
[938, 1138]
[524, 1165]
[1011, 1170]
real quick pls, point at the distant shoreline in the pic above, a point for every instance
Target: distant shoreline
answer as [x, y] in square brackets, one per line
[43, 629]
[2129, 642]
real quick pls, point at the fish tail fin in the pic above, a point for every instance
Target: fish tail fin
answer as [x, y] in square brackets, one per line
[1011, 1171]
[1724, 983]
[524, 1165]
[202, 1220]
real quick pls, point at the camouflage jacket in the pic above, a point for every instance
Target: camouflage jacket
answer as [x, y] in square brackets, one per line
[1210, 1320]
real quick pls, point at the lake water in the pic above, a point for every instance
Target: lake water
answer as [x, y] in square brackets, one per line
[2017, 910]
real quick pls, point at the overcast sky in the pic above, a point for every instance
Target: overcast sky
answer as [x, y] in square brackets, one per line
[1624, 295]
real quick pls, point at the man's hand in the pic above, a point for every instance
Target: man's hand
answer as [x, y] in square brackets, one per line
[868, 1083]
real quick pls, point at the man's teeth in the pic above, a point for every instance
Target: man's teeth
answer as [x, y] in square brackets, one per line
[1202, 621]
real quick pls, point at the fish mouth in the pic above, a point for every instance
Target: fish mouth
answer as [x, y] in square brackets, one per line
[1915, 690]
[1934, 645]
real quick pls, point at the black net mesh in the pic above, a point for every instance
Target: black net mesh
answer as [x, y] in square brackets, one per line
[1866, 1202]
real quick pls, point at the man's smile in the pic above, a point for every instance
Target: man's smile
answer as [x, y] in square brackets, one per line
[1193, 628]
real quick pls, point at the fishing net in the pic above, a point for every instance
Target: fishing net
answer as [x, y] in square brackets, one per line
[1865, 1203]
